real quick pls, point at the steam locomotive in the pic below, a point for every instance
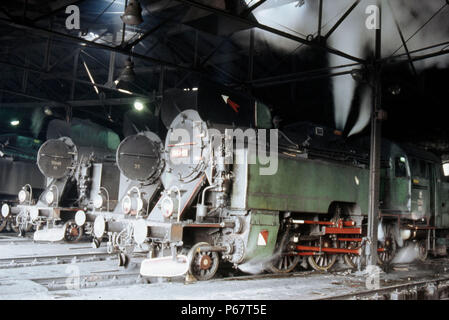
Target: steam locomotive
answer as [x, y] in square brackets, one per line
[17, 167]
[79, 180]
[217, 190]
[139, 184]
[221, 202]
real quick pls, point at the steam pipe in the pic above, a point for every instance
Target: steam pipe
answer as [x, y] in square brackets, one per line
[107, 195]
[204, 192]
[31, 192]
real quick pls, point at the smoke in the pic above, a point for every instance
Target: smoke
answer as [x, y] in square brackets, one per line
[254, 266]
[354, 38]
[288, 18]
[258, 266]
[364, 111]
[350, 42]
[37, 120]
[380, 232]
[412, 15]
[406, 254]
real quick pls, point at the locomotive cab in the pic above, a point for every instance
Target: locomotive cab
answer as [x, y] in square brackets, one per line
[412, 197]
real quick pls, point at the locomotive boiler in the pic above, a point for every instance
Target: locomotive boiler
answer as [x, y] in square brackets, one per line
[139, 160]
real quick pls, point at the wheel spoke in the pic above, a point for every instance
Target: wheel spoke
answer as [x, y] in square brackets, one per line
[280, 264]
[203, 265]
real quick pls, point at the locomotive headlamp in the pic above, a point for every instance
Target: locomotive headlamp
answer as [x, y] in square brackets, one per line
[23, 195]
[132, 204]
[5, 210]
[80, 217]
[140, 232]
[139, 204]
[98, 201]
[49, 197]
[34, 213]
[126, 204]
[167, 207]
[99, 226]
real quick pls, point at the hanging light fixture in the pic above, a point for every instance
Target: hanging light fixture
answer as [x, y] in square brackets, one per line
[138, 105]
[128, 74]
[48, 111]
[133, 14]
[358, 75]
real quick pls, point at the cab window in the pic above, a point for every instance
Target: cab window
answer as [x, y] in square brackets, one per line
[400, 169]
[423, 169]
[446, 169]
[414, 167]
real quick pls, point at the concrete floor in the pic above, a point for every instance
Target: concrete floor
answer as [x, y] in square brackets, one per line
[17, 283]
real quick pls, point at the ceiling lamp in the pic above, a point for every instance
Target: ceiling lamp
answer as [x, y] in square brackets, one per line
[133, 13]
[47, 111]
[128, 74]
[15, 123]
[138, 105]
[358, 75]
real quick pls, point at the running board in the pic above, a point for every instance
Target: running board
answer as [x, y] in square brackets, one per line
[165, 267]
[52, 235]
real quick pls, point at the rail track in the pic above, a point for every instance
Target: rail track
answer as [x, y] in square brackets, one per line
[8, 238]
[28, 261]
[431, 289]
[8, 241]
[92, 280]
[120, 277]
[266, 276]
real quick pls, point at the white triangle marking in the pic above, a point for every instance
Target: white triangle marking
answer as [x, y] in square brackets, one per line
[260, 240]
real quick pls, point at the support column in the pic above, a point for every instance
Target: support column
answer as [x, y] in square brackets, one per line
[320, 17]
[160, 93]
[74, 74]
[251, 55]
[375, 150]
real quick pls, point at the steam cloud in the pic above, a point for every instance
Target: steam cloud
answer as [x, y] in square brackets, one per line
[354, 38]
[406, 254]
